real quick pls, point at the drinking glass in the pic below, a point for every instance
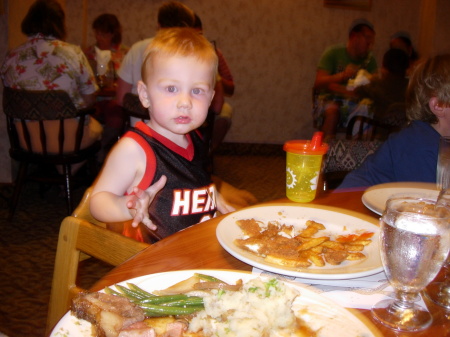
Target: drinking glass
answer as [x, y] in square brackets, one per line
[439, 292]
[443, 164]
[415, 242]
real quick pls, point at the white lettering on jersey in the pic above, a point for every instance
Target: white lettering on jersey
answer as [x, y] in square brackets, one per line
[181, 202]
[211, 201]
[195, 201]
[198, 200]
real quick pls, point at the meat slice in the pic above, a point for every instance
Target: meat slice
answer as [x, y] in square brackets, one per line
[108, 314]
[176, 329]
[139, 329]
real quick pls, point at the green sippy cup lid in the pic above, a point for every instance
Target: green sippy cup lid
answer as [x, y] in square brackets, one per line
[313, 146]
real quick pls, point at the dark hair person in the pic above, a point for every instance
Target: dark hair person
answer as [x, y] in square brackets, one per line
[46, 17]
[51, 63]
[109, 24]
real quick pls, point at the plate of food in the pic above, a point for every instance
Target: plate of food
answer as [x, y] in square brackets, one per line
[375, 197]
[252, 305]
[313, 241]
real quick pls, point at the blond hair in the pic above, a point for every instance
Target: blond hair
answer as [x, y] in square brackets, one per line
[429, 79]
[185, 42]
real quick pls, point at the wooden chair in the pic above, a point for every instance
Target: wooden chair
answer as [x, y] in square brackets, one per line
[82, 236]
[343, 156]
[133, 110]
[366, 128]
[45, 128]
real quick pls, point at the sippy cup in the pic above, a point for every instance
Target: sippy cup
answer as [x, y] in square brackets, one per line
[303, 166]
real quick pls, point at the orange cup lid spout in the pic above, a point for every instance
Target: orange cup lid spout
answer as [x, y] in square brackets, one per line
[313, 146]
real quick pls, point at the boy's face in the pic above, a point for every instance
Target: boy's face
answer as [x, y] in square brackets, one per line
[178, 92]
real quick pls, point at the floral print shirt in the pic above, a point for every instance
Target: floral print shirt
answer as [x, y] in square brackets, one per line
[45, 63]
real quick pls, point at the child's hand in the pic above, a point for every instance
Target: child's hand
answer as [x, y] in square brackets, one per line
[222, 206]
[141, 200]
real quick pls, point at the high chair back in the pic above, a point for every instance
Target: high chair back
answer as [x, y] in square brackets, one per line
[133, 110]
[79, 237]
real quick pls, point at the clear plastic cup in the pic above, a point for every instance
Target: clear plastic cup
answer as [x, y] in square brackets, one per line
[303, 167]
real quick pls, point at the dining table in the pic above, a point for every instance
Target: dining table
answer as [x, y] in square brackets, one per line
[197, 247]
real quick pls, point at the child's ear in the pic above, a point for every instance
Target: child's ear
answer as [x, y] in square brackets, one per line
[212, 96]
[143, 94]
[436, 106]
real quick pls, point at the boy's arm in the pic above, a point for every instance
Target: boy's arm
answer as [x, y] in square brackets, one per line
[123, 170]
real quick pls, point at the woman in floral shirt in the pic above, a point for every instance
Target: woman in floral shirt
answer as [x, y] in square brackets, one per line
[45, 61]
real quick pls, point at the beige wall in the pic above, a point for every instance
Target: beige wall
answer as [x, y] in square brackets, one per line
[271, 46]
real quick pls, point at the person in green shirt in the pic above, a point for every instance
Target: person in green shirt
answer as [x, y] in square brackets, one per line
[336, 66]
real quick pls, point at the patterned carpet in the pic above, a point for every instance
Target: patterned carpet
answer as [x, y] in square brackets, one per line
[28, 243]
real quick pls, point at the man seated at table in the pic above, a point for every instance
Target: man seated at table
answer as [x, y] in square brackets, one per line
[337, 65]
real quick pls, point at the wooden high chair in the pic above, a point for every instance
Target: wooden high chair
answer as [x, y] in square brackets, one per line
[80, 236]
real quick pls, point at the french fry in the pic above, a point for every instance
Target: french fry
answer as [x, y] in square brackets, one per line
[316, 259]
[361, 242]
[312, 228]
[312, 243]
[334, 245]
[355, 256]
[318, 225]
[288, 262]
[354, 247]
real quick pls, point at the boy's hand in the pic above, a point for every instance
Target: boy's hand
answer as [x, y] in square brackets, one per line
[141, 200]
[222, 206]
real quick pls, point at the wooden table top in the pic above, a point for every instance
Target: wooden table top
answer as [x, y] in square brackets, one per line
[197, 248]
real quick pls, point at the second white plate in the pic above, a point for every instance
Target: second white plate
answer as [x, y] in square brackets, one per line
[375, 197]
[337, 222]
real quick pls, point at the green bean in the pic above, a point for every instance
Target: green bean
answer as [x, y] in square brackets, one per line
[131, 294]
[195, 301]
[140, 290]
[163, 299]
[152, 310]
[208, 278]
[110, 291]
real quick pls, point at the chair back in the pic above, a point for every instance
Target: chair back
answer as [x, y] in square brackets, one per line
[133, 110]
[45, 123]
[78, 236]
[45, 127]
[366, 128]
[345, 155]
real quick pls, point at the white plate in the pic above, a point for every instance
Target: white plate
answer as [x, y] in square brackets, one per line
[337, 222]
[375, 197]
[324, 314]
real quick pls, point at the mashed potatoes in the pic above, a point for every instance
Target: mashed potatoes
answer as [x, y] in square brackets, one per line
[260, 308]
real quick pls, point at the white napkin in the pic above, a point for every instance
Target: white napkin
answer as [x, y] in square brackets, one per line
[360, 293]
[102, 57]
[362, 78]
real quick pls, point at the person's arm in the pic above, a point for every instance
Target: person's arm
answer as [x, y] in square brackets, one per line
[122, 88]
[123, 170]
[225, 75]
[333, 82]
[222, 206]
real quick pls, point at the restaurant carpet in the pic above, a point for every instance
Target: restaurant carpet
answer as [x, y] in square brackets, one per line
[28, 242]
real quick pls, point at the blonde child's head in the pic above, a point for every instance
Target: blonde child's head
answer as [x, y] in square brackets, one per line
[184, 42]
[429, 79]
